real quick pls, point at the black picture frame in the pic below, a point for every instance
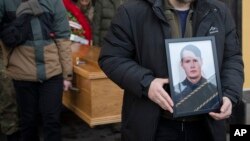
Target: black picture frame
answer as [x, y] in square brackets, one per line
[194, 76]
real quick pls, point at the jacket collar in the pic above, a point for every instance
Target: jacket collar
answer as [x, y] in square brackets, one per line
[202, 7]
[158, 8]
[159, 3]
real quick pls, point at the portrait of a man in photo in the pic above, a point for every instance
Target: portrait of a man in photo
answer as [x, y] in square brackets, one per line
[195, 92]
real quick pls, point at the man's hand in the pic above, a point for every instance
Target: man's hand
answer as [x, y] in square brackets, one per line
[225, 110]
[67, 84]
[158, 95]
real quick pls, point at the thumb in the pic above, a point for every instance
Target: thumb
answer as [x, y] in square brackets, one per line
[164, 81]
[226, 104]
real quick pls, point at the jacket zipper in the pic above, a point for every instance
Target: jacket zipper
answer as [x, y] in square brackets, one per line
[203, 17]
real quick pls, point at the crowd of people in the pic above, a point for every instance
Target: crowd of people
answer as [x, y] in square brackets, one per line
[35, 64]
[90, 19]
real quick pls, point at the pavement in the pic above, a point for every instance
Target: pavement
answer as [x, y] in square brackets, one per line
[75, 129]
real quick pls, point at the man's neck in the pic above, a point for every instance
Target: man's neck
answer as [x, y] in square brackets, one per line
[194, 81]
[181, 6]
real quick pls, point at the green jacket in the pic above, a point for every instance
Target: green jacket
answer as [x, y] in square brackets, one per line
[40, 57]
[8, 107]
[104, 12]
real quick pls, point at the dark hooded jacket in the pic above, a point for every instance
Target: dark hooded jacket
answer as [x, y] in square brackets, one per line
[133, 55]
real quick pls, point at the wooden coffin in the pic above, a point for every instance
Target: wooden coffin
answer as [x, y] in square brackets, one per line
[98, 100]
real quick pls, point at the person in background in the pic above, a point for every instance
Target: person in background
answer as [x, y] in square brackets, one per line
[79, 17]
[86, 6]
[9, 121]
[133, 55]
[37, 56]
[104, 12]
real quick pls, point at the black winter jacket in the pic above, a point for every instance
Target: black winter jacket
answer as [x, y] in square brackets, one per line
[133, 55]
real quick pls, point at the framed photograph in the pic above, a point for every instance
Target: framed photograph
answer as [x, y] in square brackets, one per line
[193, 75]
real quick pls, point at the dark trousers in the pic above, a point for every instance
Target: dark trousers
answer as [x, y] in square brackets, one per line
[40, 100]
[171, 130]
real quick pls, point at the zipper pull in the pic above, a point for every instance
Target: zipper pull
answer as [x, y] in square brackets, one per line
[182, 125]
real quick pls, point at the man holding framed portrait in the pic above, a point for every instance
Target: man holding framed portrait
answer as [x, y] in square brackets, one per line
[134, 57]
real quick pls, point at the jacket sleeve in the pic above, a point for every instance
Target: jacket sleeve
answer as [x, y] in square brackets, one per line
[119, 56]
[62, 33]
[97, 22]
[232, 75]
